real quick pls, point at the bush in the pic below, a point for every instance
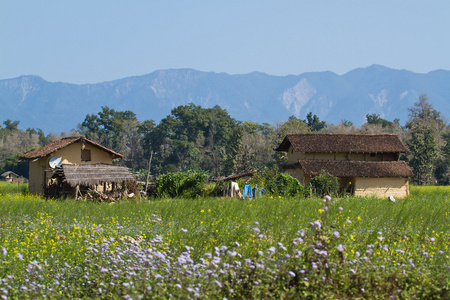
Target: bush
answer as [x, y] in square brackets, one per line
[264, 175]
[218, 188]
[324, 184]
[284, 185]
[187, 185]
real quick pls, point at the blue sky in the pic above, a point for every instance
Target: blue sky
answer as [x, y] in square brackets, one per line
[98, 40]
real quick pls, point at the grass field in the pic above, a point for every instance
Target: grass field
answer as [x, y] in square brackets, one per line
[226, 248]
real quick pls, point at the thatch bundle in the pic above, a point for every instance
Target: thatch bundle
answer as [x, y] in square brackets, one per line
[95, 174]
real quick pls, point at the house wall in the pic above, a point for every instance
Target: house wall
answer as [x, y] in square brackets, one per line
[72, 154]
[293, 157]
[299, 174]
[381, 187]
[69, 155]
[37, 175]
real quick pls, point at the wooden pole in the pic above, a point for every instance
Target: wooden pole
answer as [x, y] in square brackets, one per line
[77, 190]
[148, 173]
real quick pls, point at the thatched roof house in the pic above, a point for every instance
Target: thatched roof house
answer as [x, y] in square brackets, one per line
[367, 163]
[73, 162]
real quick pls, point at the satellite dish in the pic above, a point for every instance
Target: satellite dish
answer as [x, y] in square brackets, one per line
[54, 162]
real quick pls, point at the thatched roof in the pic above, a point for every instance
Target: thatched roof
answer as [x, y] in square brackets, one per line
[235, 176]
[56, 145]
[342, 143]
[92, 174]
[345, 168]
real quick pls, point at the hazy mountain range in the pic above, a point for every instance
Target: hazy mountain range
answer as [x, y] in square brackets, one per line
[257, 97]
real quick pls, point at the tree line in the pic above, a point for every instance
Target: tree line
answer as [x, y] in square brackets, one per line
[193, 138]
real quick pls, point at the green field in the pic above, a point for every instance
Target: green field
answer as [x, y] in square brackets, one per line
[225, 248]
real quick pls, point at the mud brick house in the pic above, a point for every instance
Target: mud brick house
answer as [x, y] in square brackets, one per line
[366, 164]
[72, 165]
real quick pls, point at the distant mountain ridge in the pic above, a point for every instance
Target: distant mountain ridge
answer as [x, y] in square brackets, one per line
[257, 97]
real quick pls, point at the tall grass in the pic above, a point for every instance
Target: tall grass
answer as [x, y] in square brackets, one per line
[395, 236]
[12, 188]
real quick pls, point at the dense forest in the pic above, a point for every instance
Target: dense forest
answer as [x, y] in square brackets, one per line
[193, 138]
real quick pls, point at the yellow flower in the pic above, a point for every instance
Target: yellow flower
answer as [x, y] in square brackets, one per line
[202, 211]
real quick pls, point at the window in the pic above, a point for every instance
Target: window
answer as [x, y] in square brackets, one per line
[86, 155]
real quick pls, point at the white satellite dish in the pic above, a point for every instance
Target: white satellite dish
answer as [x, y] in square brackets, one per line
[54, 162]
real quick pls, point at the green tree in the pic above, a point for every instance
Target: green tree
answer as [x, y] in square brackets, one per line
[13, 142]
[120, 131]
[314, 123]
[425, 126]
[375, 119]
[196, 138]
[423, 146]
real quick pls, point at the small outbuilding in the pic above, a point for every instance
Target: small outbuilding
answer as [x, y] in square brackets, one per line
[366, 164]
[243, 176]
[72, 165]
[9, 176]
[104, 181]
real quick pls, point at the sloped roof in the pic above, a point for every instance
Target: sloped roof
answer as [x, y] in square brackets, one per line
[92, 174]
[5, 174]
[56, 145]
[235, 176]
[343, 143]
[345, 168]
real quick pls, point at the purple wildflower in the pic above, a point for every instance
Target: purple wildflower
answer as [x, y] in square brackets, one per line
[317, 224]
